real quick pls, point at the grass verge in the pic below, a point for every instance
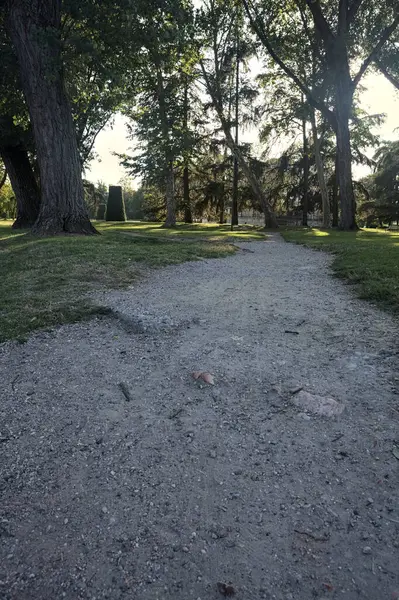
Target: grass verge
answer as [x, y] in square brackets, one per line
[367, 258]
[45, 281]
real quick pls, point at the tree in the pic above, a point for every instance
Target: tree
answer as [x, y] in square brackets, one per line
[35, 28]
[159, 111]
[16, 142]
[216, 26]
[338, 32]
[99, 48]
[386, 180]
[23, 181]
[387, 59]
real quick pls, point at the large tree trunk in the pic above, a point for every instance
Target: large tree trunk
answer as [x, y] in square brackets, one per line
[305, 201]
[320, 172]
[234, 207]
[335, 210]
[343, 100]
[188, 217]
[170, 220]
[35, 30]
[221, 210]
[346, 193]
[23, 183]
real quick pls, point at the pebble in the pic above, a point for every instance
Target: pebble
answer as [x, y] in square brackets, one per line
[304, 416]
[367, 550]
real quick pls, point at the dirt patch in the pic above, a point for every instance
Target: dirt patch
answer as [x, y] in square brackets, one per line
[121, 476]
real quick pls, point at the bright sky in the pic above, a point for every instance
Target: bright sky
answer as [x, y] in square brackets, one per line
[380, 97]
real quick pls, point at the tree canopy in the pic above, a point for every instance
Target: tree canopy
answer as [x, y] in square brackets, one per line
[191, 77]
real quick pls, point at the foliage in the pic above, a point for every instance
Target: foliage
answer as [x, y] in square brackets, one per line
[387, 181]
[134, 200]
[115, 204]
[7, 202]
[380, 191]
[156, 110]
[99, 54]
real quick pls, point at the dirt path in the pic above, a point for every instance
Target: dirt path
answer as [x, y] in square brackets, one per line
[189, 491]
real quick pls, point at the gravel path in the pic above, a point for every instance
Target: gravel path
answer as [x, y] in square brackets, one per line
[168, 488]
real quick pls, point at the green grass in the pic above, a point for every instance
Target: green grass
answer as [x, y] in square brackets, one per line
[208, 231]
[367, 258]
[45, 281]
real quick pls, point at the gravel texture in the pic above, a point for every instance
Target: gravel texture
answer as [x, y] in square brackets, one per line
[121, 477]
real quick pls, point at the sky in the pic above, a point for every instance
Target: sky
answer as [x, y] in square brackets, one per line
[379, 97]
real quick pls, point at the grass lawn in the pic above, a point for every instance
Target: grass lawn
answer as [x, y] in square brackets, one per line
[367, 258]
[45, 281]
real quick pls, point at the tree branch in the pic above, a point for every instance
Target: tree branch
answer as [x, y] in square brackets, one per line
[320, 22]
[305, 23]
[353, 9]
[343, 17]
[386, 73]
[374, 53]
[258, 28]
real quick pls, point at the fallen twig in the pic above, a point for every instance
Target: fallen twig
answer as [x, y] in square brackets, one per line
[14, 381]
[125, 391]
[176, 413]
[296, 390]
[393, 520]
[311, 535]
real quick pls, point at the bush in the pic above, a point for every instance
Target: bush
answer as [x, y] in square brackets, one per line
[115, 204]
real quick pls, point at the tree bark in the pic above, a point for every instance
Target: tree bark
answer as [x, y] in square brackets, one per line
[35, 31]
[221, 212]
[320, 172]
[234, 207]
[188, 217]
[345, 182]
[170, 220]
[305, 200]
[335, 210]
[337, 59]
[391, 78]
[23, 183]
